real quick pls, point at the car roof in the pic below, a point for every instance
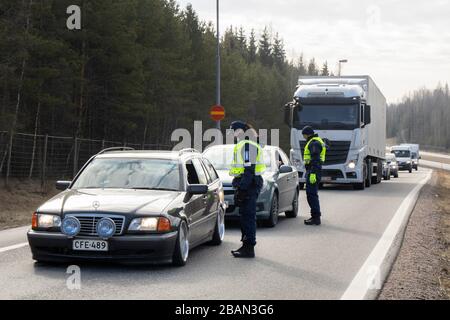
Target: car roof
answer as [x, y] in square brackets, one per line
[401, 148]
[149, 154]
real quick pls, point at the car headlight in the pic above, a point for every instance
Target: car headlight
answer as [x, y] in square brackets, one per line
[150, 224]
[352, 164]
[70, 226]
[46, 221]
[408, 162]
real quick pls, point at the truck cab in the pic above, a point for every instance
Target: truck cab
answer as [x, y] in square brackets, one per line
[349, 112]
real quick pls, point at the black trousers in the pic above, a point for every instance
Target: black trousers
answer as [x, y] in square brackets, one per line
[312, 195]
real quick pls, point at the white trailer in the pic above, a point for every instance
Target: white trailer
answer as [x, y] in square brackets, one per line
[350, 112]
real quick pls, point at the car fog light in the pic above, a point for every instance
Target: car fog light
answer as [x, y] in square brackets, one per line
[106, 228]
[70, 226]
[352, 165]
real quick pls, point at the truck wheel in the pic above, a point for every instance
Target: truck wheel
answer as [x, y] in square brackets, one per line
[294, 212]
[369, 172]
[378, 177]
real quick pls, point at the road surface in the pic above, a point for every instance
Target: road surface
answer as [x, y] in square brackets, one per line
[293, 261]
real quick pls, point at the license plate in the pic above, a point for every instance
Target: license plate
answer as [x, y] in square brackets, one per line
[326, 179]
[90, 245]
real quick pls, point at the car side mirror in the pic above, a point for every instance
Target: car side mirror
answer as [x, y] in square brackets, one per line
[288, 114]
[195, 189]
[286, 169]
[62, 185]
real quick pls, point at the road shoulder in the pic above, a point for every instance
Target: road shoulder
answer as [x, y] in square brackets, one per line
[421, 270]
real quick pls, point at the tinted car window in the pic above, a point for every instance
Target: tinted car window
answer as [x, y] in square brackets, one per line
[200, 171]
[284, 158]
[192, 176]
[212, 172]
[127, 173]
[402, 153]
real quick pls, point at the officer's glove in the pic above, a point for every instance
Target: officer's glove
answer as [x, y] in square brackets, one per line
[312, 178]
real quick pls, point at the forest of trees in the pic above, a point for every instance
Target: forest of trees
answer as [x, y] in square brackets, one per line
[422, 117]
[137, 70]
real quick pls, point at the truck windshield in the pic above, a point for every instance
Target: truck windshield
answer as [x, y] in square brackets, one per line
[328, 117]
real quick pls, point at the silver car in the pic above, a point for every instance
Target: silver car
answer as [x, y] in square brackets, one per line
[280, 190]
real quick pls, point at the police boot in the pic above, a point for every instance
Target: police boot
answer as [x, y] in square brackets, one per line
[246, 251]
[313, 222]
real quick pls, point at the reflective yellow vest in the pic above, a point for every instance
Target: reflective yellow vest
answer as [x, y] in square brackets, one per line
[307, 153]
[238, 165]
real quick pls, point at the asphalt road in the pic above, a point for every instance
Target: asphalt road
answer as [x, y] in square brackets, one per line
[293, 261]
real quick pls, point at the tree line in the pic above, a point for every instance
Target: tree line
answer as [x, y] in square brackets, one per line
[422, 117]
[137, 70]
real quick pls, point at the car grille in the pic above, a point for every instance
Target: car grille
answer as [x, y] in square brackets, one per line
[89, 223]
[337, 152]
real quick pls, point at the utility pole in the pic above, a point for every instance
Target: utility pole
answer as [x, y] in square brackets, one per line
[218, 100]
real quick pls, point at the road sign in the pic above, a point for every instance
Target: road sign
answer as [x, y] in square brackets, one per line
[217, 113]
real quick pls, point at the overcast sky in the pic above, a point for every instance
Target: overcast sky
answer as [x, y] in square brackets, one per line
[404, 45]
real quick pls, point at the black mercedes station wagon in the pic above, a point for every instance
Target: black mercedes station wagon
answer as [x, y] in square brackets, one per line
[134, 207]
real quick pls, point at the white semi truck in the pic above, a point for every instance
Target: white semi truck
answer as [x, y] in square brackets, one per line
[350, 113]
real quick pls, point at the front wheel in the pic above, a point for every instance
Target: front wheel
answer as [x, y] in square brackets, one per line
[219, 229]
[181, 252]
[273, 217]
[294, 212]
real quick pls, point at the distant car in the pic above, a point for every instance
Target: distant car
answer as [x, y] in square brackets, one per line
[415, 154]
[386, 171]
[132, 206]
[279, 193]
[392, 162]
[404, 157]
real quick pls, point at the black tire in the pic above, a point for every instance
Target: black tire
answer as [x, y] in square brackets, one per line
[219, 229]
[396, 175]
[362, 185]
[301, 186]
[410, 170]
[179, 257]
[273, 217]
[369, 173]
[294, 212]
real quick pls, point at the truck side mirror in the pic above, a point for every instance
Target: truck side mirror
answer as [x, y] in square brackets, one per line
[367, 115]
[288, 114]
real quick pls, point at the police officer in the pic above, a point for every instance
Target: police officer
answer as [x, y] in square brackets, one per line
[247, 168]
[314, 157]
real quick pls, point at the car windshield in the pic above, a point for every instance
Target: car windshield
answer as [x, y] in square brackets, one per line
[402, 153]
[222, 157]
[331, 117]
[390, 157]
[114, 173]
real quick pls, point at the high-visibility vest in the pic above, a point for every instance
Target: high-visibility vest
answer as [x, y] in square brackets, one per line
[307, 153]
[239, 164]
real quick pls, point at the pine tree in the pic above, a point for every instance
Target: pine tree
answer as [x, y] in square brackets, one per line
[265, 49]
[325, 71]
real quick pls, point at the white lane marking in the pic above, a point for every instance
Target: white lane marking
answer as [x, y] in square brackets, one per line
[436, 165]
[13, 247]
[383, 255]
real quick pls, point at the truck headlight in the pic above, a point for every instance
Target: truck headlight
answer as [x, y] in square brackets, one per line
[46, 221]
[352, 164]
[150, 224]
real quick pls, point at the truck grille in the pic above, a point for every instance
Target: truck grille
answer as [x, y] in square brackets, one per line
[337, 153]
[89, 223]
